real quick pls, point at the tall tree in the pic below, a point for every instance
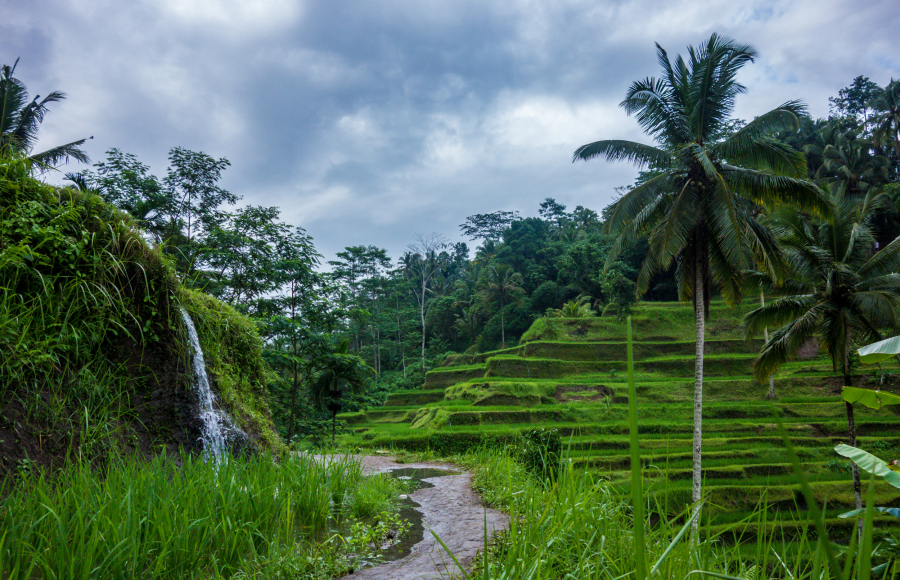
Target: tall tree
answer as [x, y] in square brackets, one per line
[193, 177]
[500, 283]
[887, 119]
[20, 120]
[127, 183]
[695, 210]
[854, 102]
[838, 291]
[850, 164]
[240, 254]
[421, 263]
[488, 226]
[342, 373]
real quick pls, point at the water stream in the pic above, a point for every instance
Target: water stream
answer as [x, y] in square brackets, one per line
[214, 422]
[408, 511]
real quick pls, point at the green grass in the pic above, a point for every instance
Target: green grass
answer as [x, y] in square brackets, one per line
[571, 375]
[92, 347]
[186, 519]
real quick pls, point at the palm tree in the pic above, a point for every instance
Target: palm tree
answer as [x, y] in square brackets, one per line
[341, 373]
[697, 211]
[839, 291]
[887, 122]
[21, 118]
[850, 165]
[502, 284]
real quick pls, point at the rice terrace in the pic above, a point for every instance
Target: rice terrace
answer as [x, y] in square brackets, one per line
[668, 354]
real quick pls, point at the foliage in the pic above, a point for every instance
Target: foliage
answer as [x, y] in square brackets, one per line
[87, 322]
[871, 464]
[488, 226]
[541, 451]
[874, 399]
[233, 349]
[879, 351]
[341, 375]
[164, 519]
[839, 291]
[20, 120]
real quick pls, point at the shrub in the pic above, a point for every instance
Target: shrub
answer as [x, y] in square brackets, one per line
[541, 451]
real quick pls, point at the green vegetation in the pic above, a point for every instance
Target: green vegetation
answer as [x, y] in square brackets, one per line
[94, 351]
[521, 347]
[186, 518]
[745, 462]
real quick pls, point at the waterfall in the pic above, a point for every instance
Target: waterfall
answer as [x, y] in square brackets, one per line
[215, 423]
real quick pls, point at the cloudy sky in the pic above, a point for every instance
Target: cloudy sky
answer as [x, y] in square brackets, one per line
[369, 121]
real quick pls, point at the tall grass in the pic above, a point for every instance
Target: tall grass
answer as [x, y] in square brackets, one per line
[579, 526]
[171, 519]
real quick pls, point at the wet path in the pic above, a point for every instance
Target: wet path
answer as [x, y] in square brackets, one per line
[450, 508]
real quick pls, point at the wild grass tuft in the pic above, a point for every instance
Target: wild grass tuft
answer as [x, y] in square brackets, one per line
[176, 519]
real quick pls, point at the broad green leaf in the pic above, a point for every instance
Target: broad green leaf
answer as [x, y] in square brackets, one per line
[870, 464]
[874, 399]
[881, 350]
[882, 510]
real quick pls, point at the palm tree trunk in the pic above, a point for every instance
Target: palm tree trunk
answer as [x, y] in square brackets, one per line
[422, 315]
[851, 429]
[700, 319]
[762, 302]
[502, 325]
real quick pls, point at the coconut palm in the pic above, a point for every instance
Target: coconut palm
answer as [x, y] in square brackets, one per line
[839, 291]
[502, 284]
[698, 210]
[850, 165]
[887, 121]
[21, 118]
[341, 373]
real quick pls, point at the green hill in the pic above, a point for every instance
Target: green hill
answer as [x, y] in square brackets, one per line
[569, 374]
[94, 356]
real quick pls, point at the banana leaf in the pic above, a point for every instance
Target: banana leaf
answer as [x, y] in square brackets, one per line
[881, 350]
[874, 399]
[871, 464]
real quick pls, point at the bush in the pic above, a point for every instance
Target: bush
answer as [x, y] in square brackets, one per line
[541, 451]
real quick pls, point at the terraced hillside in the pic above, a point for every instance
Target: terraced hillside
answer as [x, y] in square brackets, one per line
[570, 374]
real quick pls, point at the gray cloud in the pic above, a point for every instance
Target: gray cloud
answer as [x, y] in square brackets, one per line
[367, 122]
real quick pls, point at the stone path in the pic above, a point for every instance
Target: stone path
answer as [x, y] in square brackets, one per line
[452, 510]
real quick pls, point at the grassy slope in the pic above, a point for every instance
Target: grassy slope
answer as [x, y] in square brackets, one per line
[93, 357]
[569, 374]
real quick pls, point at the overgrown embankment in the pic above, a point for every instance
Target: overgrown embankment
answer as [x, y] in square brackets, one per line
[93, 356]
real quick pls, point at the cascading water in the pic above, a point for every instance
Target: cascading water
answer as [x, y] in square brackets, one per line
[214, 422]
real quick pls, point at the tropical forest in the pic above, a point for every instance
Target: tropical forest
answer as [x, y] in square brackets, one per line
[698, 379]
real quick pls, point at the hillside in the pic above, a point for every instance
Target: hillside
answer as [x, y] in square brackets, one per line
[569, 374]
[94, 356]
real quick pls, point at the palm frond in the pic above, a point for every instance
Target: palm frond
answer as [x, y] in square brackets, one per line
[767, 154]
[766, 189]
[787, 340]
[633, 202]
[777, 313]
[885, 261]
[614, 150]
[62, 154]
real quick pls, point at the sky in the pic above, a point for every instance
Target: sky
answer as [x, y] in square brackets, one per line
[370, 121]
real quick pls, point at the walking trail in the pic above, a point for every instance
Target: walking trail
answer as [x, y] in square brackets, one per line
[452, 510]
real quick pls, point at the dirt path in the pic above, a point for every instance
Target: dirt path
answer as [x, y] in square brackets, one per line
[452, 510]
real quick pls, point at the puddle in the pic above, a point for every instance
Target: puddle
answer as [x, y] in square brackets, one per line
[408, 511]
